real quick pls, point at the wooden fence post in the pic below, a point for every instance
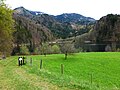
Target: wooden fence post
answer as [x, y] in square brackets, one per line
[31, 61]
[91, 78]
[41, 64]
[26, 61]
[62, 69]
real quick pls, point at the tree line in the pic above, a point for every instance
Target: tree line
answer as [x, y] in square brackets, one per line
[6, 28]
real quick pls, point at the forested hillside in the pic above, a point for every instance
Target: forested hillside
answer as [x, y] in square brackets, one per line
[34, 28]
[108, 32]
[63, 29]
[30, 33]
[104, 37]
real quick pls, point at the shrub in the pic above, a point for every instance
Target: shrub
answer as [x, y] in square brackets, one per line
[45, 48]
[108, 48]
[118, 49]
[24, 50]
[55, 49]
[69, 48]
[37, 50]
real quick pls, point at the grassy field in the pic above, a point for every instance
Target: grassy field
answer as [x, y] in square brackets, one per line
[82, 71]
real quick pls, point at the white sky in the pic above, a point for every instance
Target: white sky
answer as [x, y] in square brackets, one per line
[90, 8]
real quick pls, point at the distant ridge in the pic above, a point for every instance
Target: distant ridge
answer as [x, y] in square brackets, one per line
[65, 17]
[61, 26]
[73, 18]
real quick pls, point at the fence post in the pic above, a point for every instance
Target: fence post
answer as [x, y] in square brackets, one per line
[91, 78]
[41, 64]
[31, 61]
[62, 69]
[26, 61]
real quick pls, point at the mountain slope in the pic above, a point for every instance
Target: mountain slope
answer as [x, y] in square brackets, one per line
[60, 27]
[59, 30]
[74, 18]
[79, 23]
[29, 33]
[108, 32]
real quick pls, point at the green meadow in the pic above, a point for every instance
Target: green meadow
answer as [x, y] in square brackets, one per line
[81, 71]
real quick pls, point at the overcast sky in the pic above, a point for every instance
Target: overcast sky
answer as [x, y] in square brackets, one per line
[90, 8]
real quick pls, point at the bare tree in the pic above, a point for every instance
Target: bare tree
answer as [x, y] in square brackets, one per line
[108, 48]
